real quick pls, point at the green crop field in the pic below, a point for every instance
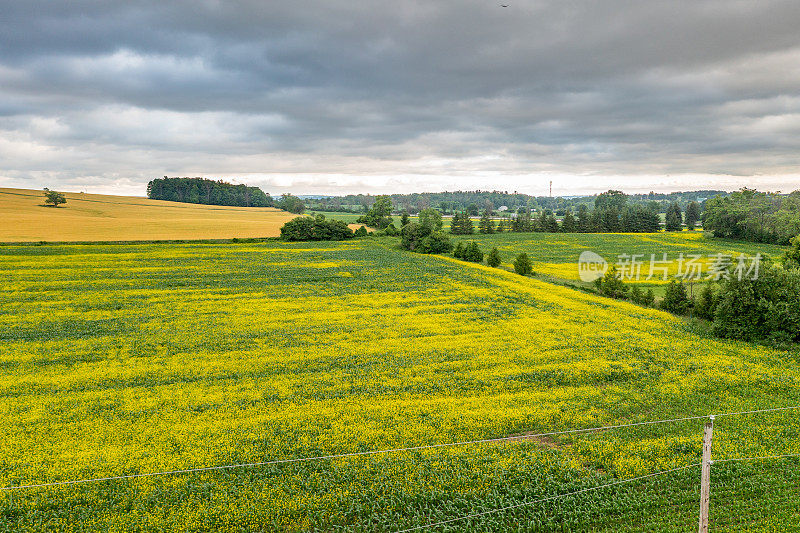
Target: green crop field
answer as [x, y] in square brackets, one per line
[350, 218]
[139, 358]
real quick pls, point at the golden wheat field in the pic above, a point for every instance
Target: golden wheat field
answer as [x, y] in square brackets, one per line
[97, 217]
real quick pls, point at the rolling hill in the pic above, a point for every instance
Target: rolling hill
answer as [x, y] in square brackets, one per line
[96, 217]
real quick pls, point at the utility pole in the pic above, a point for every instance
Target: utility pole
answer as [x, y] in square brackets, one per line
[705, 480]
[551, 188]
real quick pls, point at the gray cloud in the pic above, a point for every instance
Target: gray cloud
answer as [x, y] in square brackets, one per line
[417, 95]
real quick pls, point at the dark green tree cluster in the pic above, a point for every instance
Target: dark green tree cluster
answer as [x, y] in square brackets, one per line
[431, 218]
[791, 258]
[291, 203]
[425, 236]
[754, 216]
[613, 213]
[461, 224]
[316, 228]
[640, 219]
[205, 191]
[705, 305]
[766, 308]
[378, 214]
[469, 252]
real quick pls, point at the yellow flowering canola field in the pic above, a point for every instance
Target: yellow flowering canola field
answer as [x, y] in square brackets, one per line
[97, 217]
[137, 358]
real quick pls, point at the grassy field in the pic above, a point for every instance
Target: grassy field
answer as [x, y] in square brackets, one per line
[94, 217]
[123, 359]
[555, 255]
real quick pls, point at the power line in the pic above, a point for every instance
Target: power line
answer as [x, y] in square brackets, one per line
[549, 498]
[390, 450]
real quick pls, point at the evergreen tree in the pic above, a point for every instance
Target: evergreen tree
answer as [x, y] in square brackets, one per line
[568, 223]
[541, 222]
[610, 220]
[706, 303]
[649, 298]
[472, 252]
[584, 225]
[404, 218]
[551, 225]
[611, 285]
[493, 259]
[674, 220]
[676, 300]
[522, 265]
[596, 221]
[637, 295]
[486, 223]
[692, 215]
[458, 253]
[461, 224]
[501, 226]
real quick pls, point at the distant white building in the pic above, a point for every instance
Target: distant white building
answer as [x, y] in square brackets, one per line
[502, 208]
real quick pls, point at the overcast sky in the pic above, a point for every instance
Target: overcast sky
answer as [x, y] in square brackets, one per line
[338, 96]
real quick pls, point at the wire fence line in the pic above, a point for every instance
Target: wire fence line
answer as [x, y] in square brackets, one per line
[763, 457]
[555, 497]
[386, 451]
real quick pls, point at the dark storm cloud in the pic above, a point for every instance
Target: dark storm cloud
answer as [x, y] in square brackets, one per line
[428, 88]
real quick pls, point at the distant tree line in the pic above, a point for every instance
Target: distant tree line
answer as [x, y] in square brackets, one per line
[612, 213]
[754, 216]
[205, 191]
[475, 202]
